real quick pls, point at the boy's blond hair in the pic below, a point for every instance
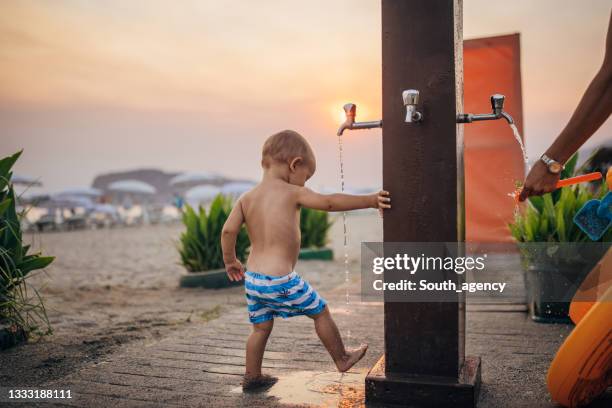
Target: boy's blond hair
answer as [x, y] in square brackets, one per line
[285, 146]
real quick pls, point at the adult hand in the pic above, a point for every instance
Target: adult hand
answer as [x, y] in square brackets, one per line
[539, 181]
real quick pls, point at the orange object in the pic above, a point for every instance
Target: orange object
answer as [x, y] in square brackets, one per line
[597, 282]
[491, 65]
[609, 179]
[578, 179]
[580, 371]
[570, 182]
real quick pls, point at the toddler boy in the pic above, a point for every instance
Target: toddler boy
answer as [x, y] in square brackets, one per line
[271, 212]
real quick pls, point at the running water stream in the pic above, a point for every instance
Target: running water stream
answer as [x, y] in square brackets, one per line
[518, 138]
[345, 233]
[517, 191]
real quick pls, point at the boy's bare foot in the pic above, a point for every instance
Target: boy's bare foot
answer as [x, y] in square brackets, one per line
[259, 383]
[351, 358]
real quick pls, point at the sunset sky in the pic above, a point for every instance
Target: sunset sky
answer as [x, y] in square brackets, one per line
[88, 87]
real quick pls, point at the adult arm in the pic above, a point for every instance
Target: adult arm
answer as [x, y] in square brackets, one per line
[592, 111]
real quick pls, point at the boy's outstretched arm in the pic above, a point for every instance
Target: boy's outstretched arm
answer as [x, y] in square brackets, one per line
[231, 229]
[342, 202]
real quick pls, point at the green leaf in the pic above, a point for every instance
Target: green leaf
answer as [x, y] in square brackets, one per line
[537, 202]
[560, 222]
[570, 167]
[531, 225]
[543, 231]
[4, 205]
[33, 262]
[5, 168]
[548, 208]
[11, 237]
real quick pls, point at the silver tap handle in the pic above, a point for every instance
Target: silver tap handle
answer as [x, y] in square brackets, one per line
[350, 110]
[411, 97]
[411, 100]
[497, 103]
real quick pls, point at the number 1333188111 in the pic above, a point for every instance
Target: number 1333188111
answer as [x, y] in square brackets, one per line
[37, 394]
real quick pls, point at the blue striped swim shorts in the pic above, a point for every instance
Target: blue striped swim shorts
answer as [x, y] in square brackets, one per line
[284, 296]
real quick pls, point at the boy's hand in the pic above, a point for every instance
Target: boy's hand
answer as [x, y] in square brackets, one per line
[235, 270]
[383, 201]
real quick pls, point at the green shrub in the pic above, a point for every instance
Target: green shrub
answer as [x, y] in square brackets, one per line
[550, 217]
[17, 307]
[200, 244]
[314, 226]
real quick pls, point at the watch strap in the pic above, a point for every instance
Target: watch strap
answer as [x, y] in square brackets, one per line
[548, 161]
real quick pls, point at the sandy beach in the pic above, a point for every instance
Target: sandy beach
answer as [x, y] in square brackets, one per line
[110, 287]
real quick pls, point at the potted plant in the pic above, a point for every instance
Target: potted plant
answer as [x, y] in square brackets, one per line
[20, 313]
[200, 245]
[556, 255]
[314, 227]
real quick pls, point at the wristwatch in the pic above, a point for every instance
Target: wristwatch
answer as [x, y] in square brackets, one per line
[554, 166]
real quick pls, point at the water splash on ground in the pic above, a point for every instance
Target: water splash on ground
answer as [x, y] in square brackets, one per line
[327, 389]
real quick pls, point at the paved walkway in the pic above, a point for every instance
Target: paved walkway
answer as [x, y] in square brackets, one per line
[202, 365]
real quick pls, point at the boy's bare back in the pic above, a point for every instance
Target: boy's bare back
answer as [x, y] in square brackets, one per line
[271, 210]
[272, 217]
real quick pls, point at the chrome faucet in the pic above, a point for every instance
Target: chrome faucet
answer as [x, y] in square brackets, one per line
[411, 100]
[350, 110]
[497, 105]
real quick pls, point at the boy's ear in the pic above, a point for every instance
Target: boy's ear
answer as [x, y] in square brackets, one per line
[294, 163]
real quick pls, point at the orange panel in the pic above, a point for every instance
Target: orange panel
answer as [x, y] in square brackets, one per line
[493, 159]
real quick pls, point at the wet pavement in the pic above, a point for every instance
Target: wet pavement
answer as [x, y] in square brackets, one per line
[201, 365]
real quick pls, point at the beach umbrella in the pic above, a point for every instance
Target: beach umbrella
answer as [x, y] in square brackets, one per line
[23, 189]
[25, 180]
[236, 188]
[105, 209]
[66, 201]
[202, 193]
[32, 196]
[132, 186]
[29, 197]
[191, 178]
[81, 192]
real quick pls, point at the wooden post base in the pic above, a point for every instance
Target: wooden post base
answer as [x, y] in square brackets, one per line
[420, 391]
